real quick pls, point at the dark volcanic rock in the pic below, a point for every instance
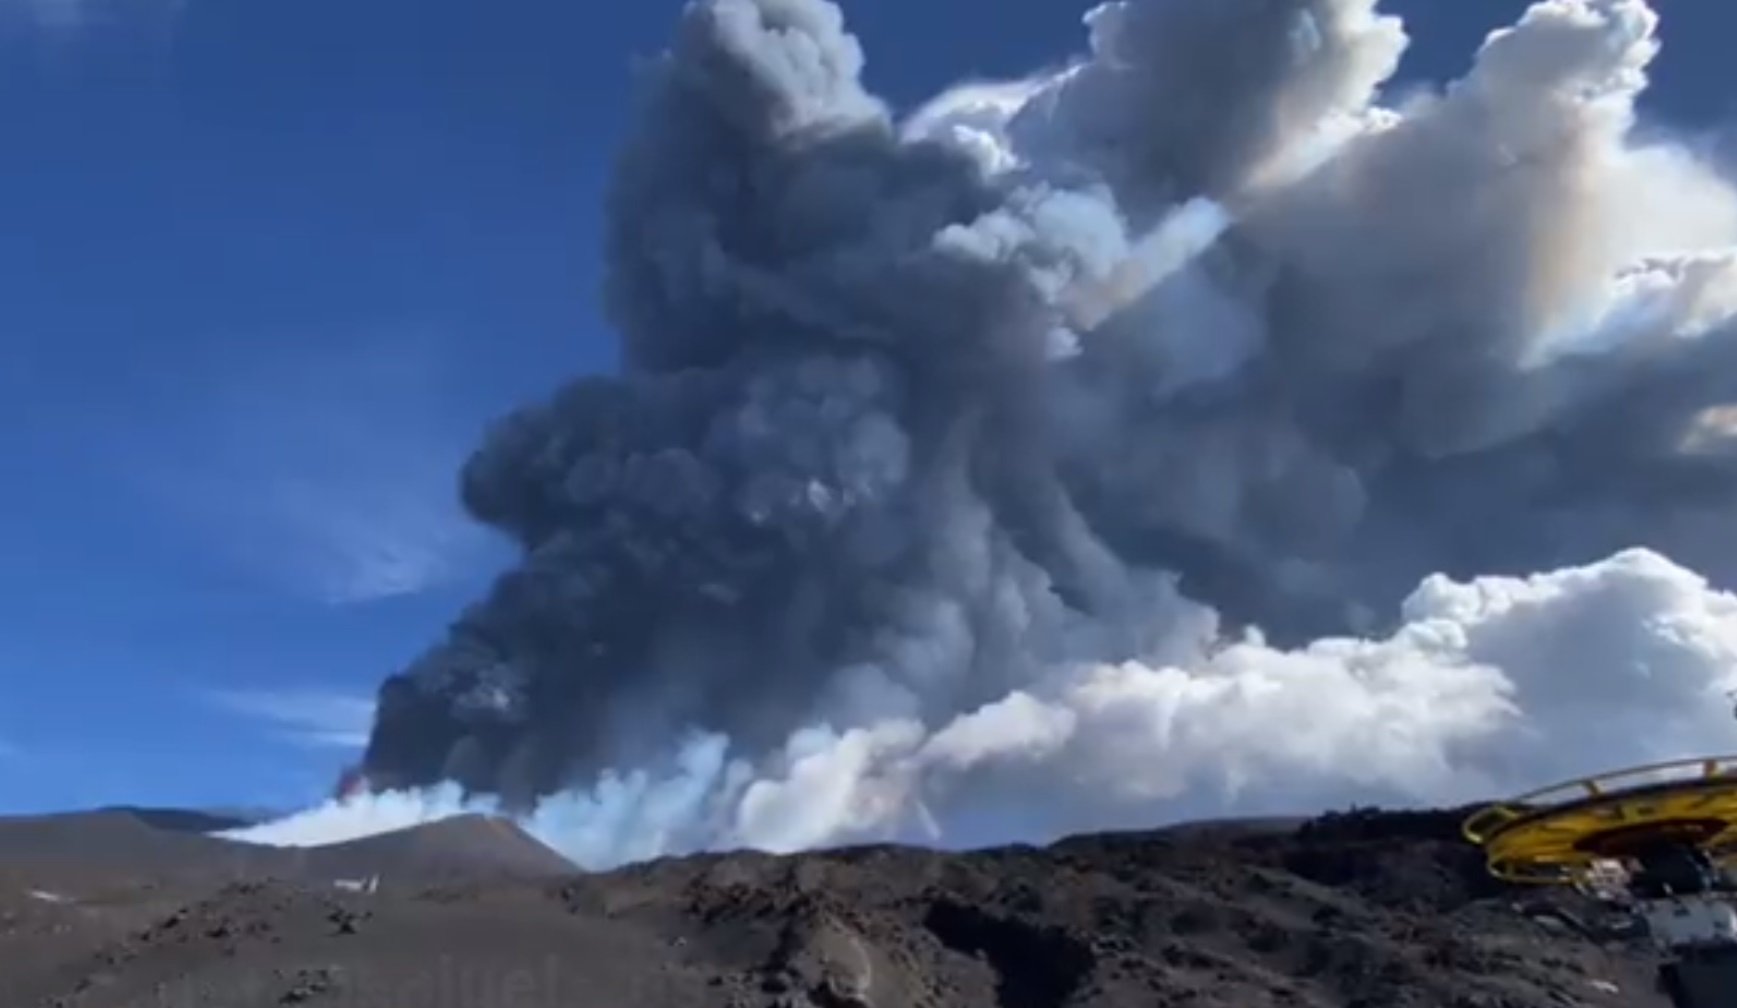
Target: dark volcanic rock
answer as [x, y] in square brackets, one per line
[1365, 909]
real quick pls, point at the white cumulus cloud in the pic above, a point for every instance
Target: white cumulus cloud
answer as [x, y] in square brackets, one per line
[1491, 685]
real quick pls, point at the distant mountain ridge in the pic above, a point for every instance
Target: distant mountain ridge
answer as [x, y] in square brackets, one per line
[180, 842]
[177, 820]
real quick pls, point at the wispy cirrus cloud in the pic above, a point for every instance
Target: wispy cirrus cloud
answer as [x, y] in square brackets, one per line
[47, 14]
[331, 473]
[62, 15]
[317, 719]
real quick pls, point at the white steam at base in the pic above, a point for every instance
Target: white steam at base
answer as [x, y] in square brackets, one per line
[1491, 686]
[955, 455]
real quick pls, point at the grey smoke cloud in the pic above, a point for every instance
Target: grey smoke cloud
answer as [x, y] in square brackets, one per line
[971, 449]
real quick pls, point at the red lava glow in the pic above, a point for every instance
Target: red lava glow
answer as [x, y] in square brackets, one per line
[353, 782]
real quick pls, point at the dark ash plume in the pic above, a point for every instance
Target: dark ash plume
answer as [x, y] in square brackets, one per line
[923, 422]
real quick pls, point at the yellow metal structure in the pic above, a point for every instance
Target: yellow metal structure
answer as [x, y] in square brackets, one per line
[1562, 834]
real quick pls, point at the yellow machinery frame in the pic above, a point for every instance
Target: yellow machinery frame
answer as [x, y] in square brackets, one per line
[1560, 835]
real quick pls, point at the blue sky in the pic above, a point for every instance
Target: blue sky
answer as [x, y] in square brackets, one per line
[266, 271]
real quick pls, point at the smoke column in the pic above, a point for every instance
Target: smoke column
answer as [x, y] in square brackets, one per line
[1181, 432]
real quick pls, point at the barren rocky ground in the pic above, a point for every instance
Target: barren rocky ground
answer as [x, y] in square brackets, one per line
[1366, 910]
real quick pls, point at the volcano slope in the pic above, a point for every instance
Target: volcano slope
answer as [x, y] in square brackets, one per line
[1365, 909]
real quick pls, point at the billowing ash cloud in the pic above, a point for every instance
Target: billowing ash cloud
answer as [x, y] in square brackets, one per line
[1040, 461]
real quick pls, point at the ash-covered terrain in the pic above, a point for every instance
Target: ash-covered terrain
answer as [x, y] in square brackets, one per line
[1364, 910]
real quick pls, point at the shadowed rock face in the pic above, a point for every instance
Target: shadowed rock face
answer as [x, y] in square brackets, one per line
[1362, 909]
